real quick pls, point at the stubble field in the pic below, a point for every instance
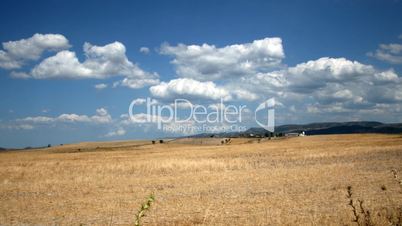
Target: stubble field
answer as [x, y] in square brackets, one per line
[317, 180]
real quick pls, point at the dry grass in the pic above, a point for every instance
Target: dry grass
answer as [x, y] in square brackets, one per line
[293, 181]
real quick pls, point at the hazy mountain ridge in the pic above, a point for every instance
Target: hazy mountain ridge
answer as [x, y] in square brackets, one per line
[319, 128]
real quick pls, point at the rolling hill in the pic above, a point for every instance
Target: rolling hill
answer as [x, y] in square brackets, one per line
[318, 129]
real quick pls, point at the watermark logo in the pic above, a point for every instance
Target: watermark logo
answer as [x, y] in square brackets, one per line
[186, 117]
[269, 107]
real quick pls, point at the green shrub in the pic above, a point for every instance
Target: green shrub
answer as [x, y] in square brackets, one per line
[143, 209]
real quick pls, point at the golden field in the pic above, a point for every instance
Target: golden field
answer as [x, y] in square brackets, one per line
[293, 181]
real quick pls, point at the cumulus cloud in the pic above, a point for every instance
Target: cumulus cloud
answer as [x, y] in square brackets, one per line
[390, 53]
[313, 75]
[37, 119]
[118, 132]
[134, 83]
[250, 72]
[21, 75]
[64, 64]
[16, 53]
[101, 62]
[144, 50]
[7, 62]
[18, 127]
[140, 118]
[100, 86]
[148, 122]
[259, 86]
[208, 62]
[340, 78]
[386, 76]
[238, 91]
[139, 101]
[189, 88]
[101, 117]
[326, 85]
[316, 74]
[182, 104]
[253, 71]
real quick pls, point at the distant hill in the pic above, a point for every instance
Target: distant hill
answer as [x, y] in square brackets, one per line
[4, 149]
[342, 128]
[21, 149]
[319, 129]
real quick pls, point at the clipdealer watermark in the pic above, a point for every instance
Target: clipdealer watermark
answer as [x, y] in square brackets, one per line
[184, 117]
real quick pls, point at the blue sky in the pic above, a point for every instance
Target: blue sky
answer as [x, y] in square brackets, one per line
[337, 61]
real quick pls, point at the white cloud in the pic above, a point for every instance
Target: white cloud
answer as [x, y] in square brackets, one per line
[189, 88]
[25, 127]
[7, 62]
[308, 77]
[101, 117]
[101, 62]
[141, 118]
[208, 62]
[72, 118]
[332, 68]
[139, 101]
[21, 75]
[259, 86]
[37, 119]
[338, 74]
[317, 73]
[118, 132]
[18, 127]
[134, 83]
[249, 72]
[386, 76]
[100, 86]
[392, 48]
[326, 85]
[64, 64]
[253, 71]
[391, 53]
[16, 53]
[148, 122]
[182, 105]
[242, 94]
[144, 50]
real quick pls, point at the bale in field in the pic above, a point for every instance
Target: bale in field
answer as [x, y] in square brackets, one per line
[161, 141]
